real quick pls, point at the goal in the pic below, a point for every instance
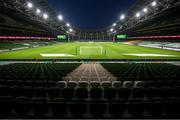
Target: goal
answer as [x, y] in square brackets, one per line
[91, 50]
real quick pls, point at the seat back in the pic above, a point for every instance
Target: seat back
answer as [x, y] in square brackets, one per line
[83, 84]
[95, 84]
[110, 93]
[81, 93]
[139, 84]
[128, 84]
[54, 92]
[62, 84]
[72, 84]
[106, 84]
[138, 93]
[96, 93]
[117, 84]
[124, 93]
[67, 93]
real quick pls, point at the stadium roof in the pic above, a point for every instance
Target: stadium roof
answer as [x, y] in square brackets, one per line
[52, 13]
[45, 6]
[138, 5]
[137, 8]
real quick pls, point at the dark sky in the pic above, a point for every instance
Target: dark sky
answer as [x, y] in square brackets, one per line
[91, 14]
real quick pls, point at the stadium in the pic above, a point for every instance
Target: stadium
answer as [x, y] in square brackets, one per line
[50, 69]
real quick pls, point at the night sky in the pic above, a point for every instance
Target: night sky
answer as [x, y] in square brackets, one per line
[91, 14]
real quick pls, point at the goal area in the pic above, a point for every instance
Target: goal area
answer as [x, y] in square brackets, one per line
[91, 50]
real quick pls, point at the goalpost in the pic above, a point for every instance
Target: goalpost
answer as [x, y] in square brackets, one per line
[91, 50]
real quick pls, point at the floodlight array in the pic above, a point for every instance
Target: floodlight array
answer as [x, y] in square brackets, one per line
[122, 17]
[60, 17]
[154, 3]
[137, 15]
[114, 24]
[30, 5]
[38, 11]
[145, 10]
[67, 24]
[45, 16]
[70, 30]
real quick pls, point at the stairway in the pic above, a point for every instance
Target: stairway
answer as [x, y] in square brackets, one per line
[91, 72]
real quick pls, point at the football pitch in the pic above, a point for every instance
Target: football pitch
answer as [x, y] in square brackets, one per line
[90, 50]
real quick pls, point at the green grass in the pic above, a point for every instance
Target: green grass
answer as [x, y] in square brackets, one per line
[10, 45]
[110, 51]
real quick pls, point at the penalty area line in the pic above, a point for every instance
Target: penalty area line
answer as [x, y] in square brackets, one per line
[151, 55]
[56, 55]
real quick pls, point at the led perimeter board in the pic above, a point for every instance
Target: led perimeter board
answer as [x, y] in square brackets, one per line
[120, 37]
[62, 37]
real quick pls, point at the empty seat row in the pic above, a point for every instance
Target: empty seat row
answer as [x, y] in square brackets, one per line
[171, 83]
[86, 84]
[66, 93]
[96, 108]
[36, 71]
[104, 84]
[118, 84]
[32, 77]
[11, 83]
[143, 71]
[86, 93]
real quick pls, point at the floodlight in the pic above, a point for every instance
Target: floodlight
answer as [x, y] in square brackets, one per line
[45, 16]
[154, 3]
[71, 30]
[38, 11]
[138, 14]
[122, 17]
[67, 24]
[145, 10]
[114, 24]
[60, 17]
[30, 5]
[111, 30]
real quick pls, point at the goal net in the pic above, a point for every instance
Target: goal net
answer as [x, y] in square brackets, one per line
[91, 50]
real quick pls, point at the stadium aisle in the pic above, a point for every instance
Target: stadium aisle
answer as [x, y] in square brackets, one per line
[90, 72]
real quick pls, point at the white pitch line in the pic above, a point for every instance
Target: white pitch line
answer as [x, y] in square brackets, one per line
[56, 55]
[151, 55]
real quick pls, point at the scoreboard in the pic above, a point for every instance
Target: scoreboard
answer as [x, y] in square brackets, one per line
[121, 37]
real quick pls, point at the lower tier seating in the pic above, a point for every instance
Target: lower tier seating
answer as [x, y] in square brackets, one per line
[38, 91]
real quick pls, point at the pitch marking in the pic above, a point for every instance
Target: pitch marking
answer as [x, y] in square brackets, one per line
[56, 55]
[151, 55]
